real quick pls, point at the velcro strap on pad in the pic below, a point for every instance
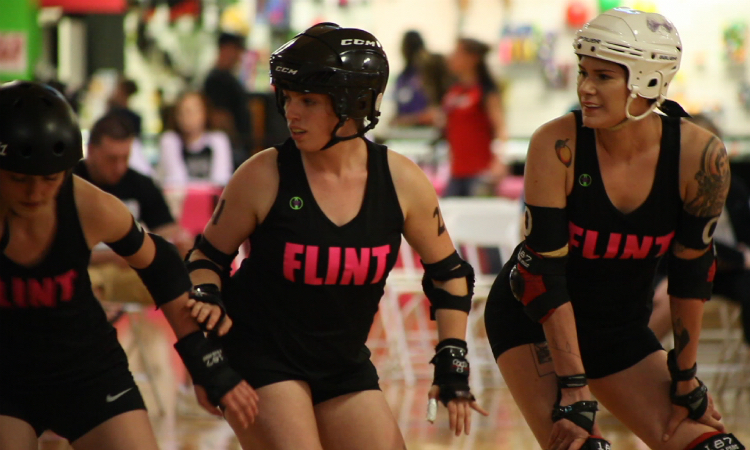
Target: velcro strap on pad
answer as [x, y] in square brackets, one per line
[572, 381]
[213, 253]
[674, 369]
[130, 243]
[581, 413]
[166, 277]
[546, 228]
[448, 268]
[197, 264]
[695, 401]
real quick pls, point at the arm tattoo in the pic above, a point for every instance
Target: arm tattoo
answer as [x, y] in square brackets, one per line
[540, 353]
[564, 154]
[441, 224]
[713, 181]
[217, 213]
[681, 337]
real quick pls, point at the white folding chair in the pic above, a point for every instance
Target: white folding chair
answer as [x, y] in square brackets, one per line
[475, 224]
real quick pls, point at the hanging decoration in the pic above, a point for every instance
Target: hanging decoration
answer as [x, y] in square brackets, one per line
[577, 14]
[605, 5]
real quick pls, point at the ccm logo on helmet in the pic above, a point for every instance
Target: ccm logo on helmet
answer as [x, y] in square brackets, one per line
[360, 42]
[286, 70]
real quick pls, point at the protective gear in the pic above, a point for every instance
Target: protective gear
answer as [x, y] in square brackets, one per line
[446, 269]
[581, 413]
[716, 441]
[130, 243]
[451, 370]
[207, 364]
[647, 44]
[166, 277]
[39, 132]
[217, 261]
[211, 294]
[539, 283]
[696, 401]
[572, 381]
[545, 228]
[695, 232]
[596, 443]
[691, 278]
[348, 64]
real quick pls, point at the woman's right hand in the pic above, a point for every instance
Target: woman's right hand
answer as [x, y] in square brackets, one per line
[565, 434]
[240, 405]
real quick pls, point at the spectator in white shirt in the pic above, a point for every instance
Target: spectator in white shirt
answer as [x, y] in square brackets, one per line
[190, 152]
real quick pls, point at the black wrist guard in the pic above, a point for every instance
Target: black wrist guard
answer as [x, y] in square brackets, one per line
[674, 369]
[572, 381]
[695, 401]
[452, 370]
[206, 363]
[211, 294]
[580, 413]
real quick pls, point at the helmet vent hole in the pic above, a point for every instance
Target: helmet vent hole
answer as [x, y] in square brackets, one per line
[58, 149]
[653, 55]
[26, 151]
[593, 49]
[653, 82]
[579, 46]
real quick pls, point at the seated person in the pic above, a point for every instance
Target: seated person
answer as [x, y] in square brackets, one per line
[732, 241]
[106, 166]
[189, 151]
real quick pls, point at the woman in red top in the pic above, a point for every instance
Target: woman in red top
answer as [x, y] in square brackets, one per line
[475, 124]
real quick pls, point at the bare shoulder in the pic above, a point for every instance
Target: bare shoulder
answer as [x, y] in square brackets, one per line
[410, 181]
[559, 135]
[103, 217]
[704, 171]
[256, 175]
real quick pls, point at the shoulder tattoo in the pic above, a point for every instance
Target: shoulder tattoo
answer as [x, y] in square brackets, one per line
[564, 153]
[713, 181]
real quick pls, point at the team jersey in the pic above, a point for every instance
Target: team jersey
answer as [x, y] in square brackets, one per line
[309, 289]
[52, 328]
[613, 255]
[468, 130]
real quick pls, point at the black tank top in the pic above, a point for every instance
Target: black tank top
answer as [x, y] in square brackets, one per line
[310, 289]
[52, 328]
[198, 164]
[613, 256]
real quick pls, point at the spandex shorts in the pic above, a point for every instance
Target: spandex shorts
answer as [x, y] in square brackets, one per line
[604, 352]
[73, 409]
[261, 367]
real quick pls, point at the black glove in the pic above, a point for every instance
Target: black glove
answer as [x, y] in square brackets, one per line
[209, 293]
[206, 363]
[452, 370]
[695, 401]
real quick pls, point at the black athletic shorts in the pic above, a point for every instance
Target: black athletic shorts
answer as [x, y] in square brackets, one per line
[73, 409]
[604, 352]
[260, 365]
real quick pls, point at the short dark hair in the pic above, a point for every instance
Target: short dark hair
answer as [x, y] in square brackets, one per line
[114, 126]
[231, 39]
[129, 87]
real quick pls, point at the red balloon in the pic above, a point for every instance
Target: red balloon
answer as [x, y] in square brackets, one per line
[577, 14]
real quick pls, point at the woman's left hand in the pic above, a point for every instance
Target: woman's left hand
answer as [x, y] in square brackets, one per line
[209, 315]
[679, 414]
[459, 411]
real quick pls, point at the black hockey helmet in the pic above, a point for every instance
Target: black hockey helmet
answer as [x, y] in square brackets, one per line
[348, 64]
[39, 132]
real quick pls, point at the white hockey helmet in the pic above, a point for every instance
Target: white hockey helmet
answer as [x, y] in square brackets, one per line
[646, 43]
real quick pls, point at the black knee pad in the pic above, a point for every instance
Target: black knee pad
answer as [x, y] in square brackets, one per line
[716, 441]
[596, 443]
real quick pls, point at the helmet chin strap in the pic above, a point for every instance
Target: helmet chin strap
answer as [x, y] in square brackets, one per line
[335, 139]
[628, 117]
